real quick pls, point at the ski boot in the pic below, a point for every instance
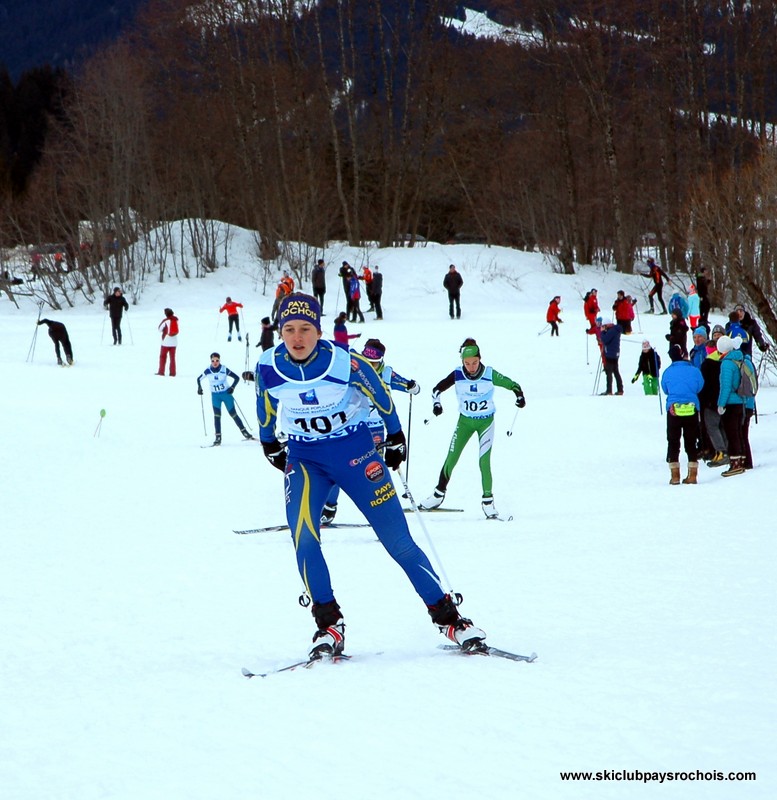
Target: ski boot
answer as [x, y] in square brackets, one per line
[328, 514]
[329, 639]
[453, 626]
[433, 501]
[239, 338]
[487, 504]
[217, 440]
[246, 434]
[720, 459]
[229, 338]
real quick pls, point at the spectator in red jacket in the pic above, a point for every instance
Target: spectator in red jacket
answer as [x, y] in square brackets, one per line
[231, 307]
[169, 330]
[623, 307]
[552, 316]
[591, 310]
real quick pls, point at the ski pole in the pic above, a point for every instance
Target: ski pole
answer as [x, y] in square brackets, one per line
[242, 415]
[202, 406]
[455, 596]
[409, 423]
[102, 332]
[129, 328]
[246, 365]
[515, 417]
[658, 384]
[544, 330]
[586, 349]
[598, 376]
[31, 351]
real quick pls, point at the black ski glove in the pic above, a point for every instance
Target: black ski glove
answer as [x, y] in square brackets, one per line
[247, 376]
[520, 400]
[437, 408]
[231, 390]
[275, 453]
[395, 451]
[413, 387]
[199, 389]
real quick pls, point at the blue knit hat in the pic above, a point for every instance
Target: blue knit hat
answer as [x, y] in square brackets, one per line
[299, 307]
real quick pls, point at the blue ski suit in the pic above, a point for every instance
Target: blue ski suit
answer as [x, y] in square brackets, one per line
[324, 404]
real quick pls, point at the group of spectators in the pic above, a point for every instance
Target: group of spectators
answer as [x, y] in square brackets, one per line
[710, 388]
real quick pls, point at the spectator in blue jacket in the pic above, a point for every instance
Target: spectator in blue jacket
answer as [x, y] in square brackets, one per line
[699, 350]
[731, 406]
[682, 383]
[610, 337]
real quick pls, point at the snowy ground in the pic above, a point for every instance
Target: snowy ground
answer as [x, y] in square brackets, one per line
[129, 606]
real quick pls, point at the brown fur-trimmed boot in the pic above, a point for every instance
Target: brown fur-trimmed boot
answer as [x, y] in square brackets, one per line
[693, 471]
[674, 468]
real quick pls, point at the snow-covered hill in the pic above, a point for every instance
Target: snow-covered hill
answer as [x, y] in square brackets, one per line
[129, 606]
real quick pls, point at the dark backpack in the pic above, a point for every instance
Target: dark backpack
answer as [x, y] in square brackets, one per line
[748, 380]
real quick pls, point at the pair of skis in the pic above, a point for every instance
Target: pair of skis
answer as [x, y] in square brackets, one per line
[484, 650]
[273, 528]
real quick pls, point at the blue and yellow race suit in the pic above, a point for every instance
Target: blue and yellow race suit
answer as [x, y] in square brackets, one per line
[323, 404]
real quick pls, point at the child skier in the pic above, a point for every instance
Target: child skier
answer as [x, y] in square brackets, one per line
[649, 366]
[233, 315]
[552, 315]
[374, 350]
[324, 393]
[220, 394]
[474, 384]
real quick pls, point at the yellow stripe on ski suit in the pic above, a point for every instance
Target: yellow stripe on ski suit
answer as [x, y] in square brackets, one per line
[304, 518]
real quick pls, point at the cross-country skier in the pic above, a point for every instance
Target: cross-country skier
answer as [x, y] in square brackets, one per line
[58, 334]
[221, 394]
[233, 315]
[474, 384]
[657, 275]
[374, 350]
[116, 304]
[324, 393]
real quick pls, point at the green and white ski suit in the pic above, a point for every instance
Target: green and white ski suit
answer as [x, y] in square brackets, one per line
[475, 394]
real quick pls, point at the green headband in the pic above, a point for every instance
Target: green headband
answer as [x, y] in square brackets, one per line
[470, 351]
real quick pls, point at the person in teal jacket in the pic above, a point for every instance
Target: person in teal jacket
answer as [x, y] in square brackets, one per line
[731, 406]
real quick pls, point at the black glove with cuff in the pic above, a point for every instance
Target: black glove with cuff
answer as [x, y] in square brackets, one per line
[395, 451]
[275, 453]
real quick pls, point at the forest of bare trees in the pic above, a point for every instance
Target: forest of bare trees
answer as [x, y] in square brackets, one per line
[592, 126]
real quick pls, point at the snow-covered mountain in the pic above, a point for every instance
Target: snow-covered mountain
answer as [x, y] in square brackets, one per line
[129, 606]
